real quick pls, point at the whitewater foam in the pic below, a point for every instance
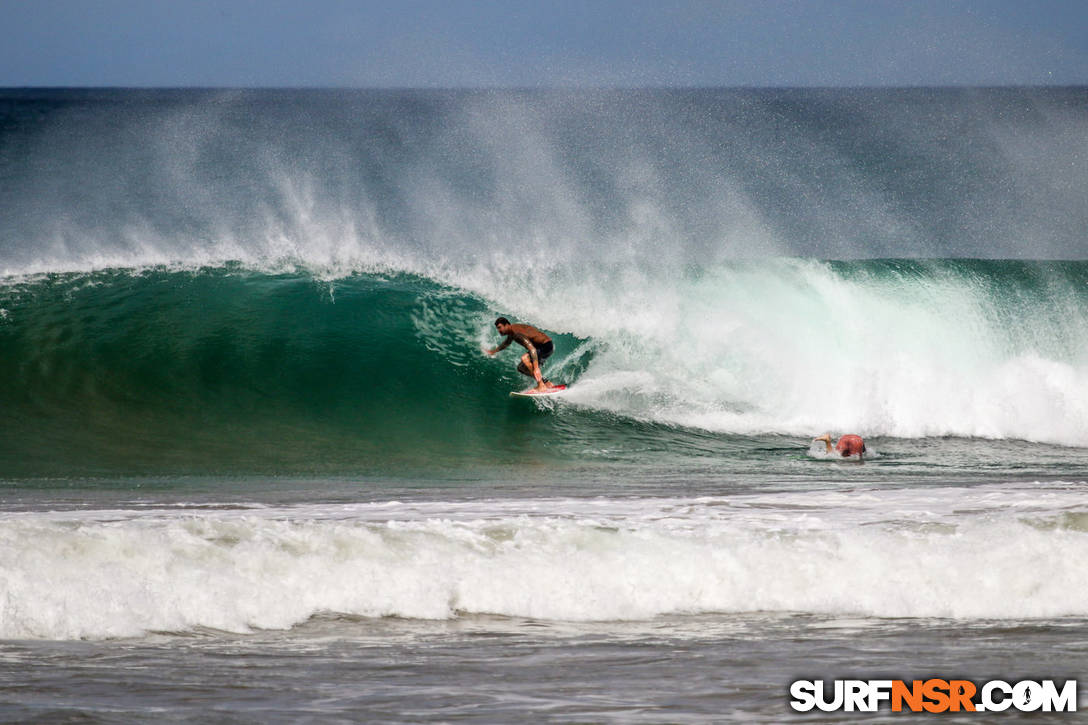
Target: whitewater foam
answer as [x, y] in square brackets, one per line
[796, 347]
[1012, 554]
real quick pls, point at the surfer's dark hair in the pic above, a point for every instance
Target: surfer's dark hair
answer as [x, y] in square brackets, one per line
[502, 321]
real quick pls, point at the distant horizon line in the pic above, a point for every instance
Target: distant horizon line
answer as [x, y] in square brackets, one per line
[521, 88]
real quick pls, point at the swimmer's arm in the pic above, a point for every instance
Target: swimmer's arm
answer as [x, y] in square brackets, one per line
[826, 438]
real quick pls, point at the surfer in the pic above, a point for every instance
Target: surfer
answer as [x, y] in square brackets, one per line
[538, 345]
[848, 445]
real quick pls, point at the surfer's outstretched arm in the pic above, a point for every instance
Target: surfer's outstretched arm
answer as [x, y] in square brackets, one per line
[502, 345]
[826, 438]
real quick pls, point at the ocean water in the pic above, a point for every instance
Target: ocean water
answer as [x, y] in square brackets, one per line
[256, 467]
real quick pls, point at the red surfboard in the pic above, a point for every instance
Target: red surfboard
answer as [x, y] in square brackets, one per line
[532, 392]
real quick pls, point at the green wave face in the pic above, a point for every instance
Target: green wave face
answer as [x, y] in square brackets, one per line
[220, 369]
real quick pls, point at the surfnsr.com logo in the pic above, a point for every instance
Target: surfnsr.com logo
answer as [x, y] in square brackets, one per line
[933, 695]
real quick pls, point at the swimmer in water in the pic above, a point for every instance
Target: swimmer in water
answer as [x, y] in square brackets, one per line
[848, 445]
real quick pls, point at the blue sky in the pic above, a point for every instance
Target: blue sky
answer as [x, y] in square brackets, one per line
[452, 43]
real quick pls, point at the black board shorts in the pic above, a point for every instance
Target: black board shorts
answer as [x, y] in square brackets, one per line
[543, 352]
